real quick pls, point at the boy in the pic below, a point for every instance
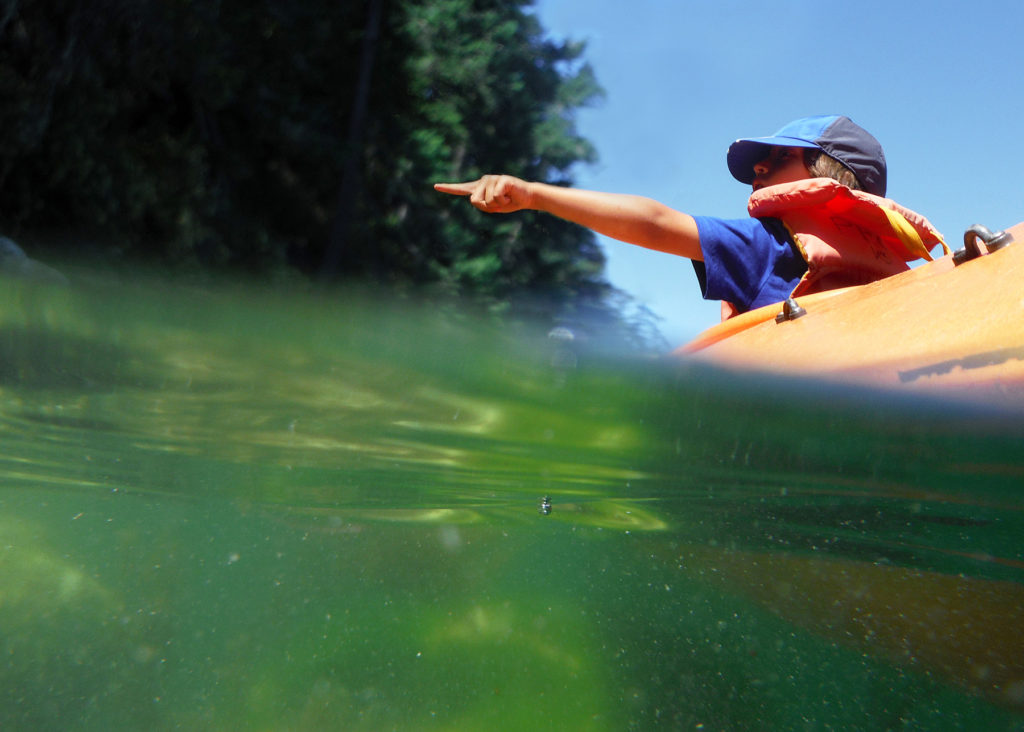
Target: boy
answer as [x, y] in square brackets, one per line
[748, 263]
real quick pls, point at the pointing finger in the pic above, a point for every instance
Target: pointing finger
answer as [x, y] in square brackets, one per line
[456, 189]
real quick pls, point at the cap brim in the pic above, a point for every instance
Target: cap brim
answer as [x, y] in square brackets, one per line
[744, 154]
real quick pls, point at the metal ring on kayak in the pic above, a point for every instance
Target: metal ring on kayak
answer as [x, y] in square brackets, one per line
[972, 250]
[791, 310]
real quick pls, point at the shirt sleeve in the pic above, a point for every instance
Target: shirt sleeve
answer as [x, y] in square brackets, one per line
[748, 262]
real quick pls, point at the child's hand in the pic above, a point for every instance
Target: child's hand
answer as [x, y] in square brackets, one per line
[492, 193]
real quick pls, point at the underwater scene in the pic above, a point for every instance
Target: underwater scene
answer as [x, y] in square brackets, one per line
[239, 507]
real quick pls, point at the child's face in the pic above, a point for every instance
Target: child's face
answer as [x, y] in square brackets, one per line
[781, 165]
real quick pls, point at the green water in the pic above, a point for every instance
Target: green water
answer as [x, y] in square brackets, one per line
[224, 508]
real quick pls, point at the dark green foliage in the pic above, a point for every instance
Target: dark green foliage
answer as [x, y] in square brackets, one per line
[487, 94]
[279, 135]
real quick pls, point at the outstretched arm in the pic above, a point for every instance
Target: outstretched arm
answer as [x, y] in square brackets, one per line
[632, 219]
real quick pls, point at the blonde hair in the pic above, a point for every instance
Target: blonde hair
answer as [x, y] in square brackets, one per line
[822, 165]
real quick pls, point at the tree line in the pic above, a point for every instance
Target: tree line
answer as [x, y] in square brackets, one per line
[260, 136]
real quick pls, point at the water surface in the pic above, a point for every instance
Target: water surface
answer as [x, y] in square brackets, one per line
[234, 507]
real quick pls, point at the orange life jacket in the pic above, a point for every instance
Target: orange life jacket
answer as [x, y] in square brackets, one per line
[847, 237]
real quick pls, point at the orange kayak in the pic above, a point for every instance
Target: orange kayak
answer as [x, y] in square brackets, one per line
[954, 325]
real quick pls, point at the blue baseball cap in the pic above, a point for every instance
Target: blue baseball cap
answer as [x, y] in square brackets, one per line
[836, 135]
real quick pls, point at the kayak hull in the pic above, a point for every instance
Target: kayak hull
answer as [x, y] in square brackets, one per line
[941, 327]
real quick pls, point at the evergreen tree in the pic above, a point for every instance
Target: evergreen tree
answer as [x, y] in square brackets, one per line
[303, 135]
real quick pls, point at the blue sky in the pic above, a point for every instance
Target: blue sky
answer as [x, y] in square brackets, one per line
[940, 84]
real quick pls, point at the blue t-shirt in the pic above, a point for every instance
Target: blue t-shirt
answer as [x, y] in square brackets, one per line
[748, 262]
